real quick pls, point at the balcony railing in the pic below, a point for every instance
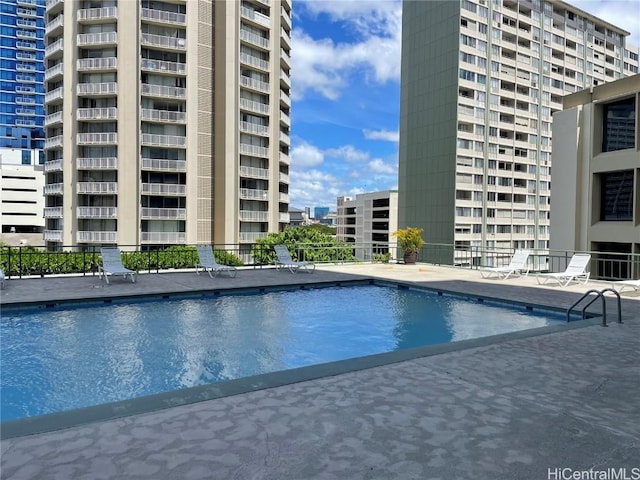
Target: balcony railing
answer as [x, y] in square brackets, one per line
[54, 24]
[163, 237]
[105, 88]
[254, 150]
[163, 189]
[283, 217]
[254, 39]
[25, 101]
[101, 188]
[97, 237]
[53, 95]
[56, 70]
[251, 237]
[254, 194]
[97, 138]
[285, 138]
[253, 216]
[285, 119]
[254, 16]
[254, 61]
[253, 106]
[150, 139]
[164, 213]
[285, 159]
[52, 212]
[162, 16]
[26, 45]
[285, 36]
[53, 142]
[283, 197]
[152, 115]
[101, 38]
[150, 65]
[97, 163]
[109, 113]
[53, 119]
[254, 84]
[162, 91]
[51, 4]
[283, 177]
[163, 41]
[53, 189]
[53, 166]
[254, 128]
[285, 57]
[106, 63]
[97, 13]
[97, 212]
[52, 235]
[55, 47]
[26, 56]
[159, 165]
[254, 172]
[285, 99]
[285, 16]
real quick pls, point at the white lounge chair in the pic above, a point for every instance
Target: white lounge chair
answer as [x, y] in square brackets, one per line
[207, 262]
[622, 284]
[576, 271]
[517, 266]
[284, 260]
[1, 278]
[112, 265]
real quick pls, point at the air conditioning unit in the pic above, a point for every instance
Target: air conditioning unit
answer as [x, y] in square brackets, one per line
[181, 42]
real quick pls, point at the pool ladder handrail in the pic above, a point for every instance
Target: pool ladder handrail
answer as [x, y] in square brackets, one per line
[599, 294]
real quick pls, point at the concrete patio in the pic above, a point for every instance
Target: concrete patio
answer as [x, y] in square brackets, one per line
[507, 408]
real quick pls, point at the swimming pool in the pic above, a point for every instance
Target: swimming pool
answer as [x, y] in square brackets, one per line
[65, 358]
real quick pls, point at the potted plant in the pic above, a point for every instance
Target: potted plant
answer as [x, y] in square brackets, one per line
[410, 241]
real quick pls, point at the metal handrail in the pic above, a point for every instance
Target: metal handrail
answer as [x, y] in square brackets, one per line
[599, 294]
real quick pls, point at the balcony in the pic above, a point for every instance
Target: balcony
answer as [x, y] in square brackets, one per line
[251, 237]
[254, 128]
[97, 212]
[253, 216]
[285, 99]
[105, 88]
[22, 122]
[106, 63]
[254, 84]
[54, 48]
[154, 140]
[161, 66]
[53, 119]
[285, 159]
[97, 14]
[53, 25]
[53, 142]
[284, 15]
[87, 114]
[164, 189]
[100, 188]
[164, 213]
[283, 178]
[26, 56]
[25, 89]
[53, 5]
[254, 172]
[27, 3]
[283, 197]
[25, 101]
[285, 79]
[285, 58]
[254, 150]
[25, 23]
[161, 16]
[255, 107]
[255, 17]
[53, 95]
[159, 165]
[106, 138]
[163, 237]
[97, 163]
[52, 235]
[52, 212]
[254, 194]
[25, 78]
[53, 189]
[97, 39]
[163, 92]
[254, 61]
[164, 116]
[283, 217]
[284, 35]
[97, 237]
[25, 111]
[254, 39]
[284, 119]
[284, 138]
[54, 72]
[163, 41]
[53, 165]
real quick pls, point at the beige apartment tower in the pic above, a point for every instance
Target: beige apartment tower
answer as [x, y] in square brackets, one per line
[480, 82]
[167, 121]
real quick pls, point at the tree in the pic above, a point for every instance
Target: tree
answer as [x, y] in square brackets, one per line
[304, 243]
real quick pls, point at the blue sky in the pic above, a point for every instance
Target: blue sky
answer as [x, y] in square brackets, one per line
[346, 93]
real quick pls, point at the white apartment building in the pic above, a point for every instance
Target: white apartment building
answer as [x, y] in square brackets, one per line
[368, 221]
[596, 178]
[167, 122]
[481, 80]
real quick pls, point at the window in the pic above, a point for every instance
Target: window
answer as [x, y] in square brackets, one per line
[616, 195]
[619, 125]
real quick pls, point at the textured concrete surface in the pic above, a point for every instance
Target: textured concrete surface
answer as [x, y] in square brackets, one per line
[511, 410]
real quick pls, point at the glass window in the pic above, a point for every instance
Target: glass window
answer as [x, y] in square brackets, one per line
[616, 195]
[619, 125]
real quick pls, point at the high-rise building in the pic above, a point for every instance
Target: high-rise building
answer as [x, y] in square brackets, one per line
[167, 121]
[320, 212]
[22, 66]
[480, 82]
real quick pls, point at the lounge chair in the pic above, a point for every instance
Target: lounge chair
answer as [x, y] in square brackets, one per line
[284, 260]
[576, 271]
[112, 265]
[634, 284]
[207, 262]
[1, 278]
[517, 266]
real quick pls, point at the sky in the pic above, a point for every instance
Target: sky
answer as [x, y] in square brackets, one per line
[345, 85]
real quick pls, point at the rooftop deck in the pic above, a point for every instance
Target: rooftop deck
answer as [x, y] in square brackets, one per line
[500, 408]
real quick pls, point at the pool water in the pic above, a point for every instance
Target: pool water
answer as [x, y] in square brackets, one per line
[60, 359]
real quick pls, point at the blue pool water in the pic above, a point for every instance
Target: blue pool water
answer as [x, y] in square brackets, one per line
[60, 359]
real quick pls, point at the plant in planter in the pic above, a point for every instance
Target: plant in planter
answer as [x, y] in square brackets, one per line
[410, 241]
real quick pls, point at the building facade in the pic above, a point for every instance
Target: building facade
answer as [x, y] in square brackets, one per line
[22, 72]
[367, 222]
[480, 83]
[167, 122]
[596, 177]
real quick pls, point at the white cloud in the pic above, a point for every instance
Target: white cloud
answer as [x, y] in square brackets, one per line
[622, 13]
[381, 168]
[306, 155]
[348, 153]
[381, 135]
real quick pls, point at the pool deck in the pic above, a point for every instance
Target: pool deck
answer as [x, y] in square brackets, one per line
[519, 407]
